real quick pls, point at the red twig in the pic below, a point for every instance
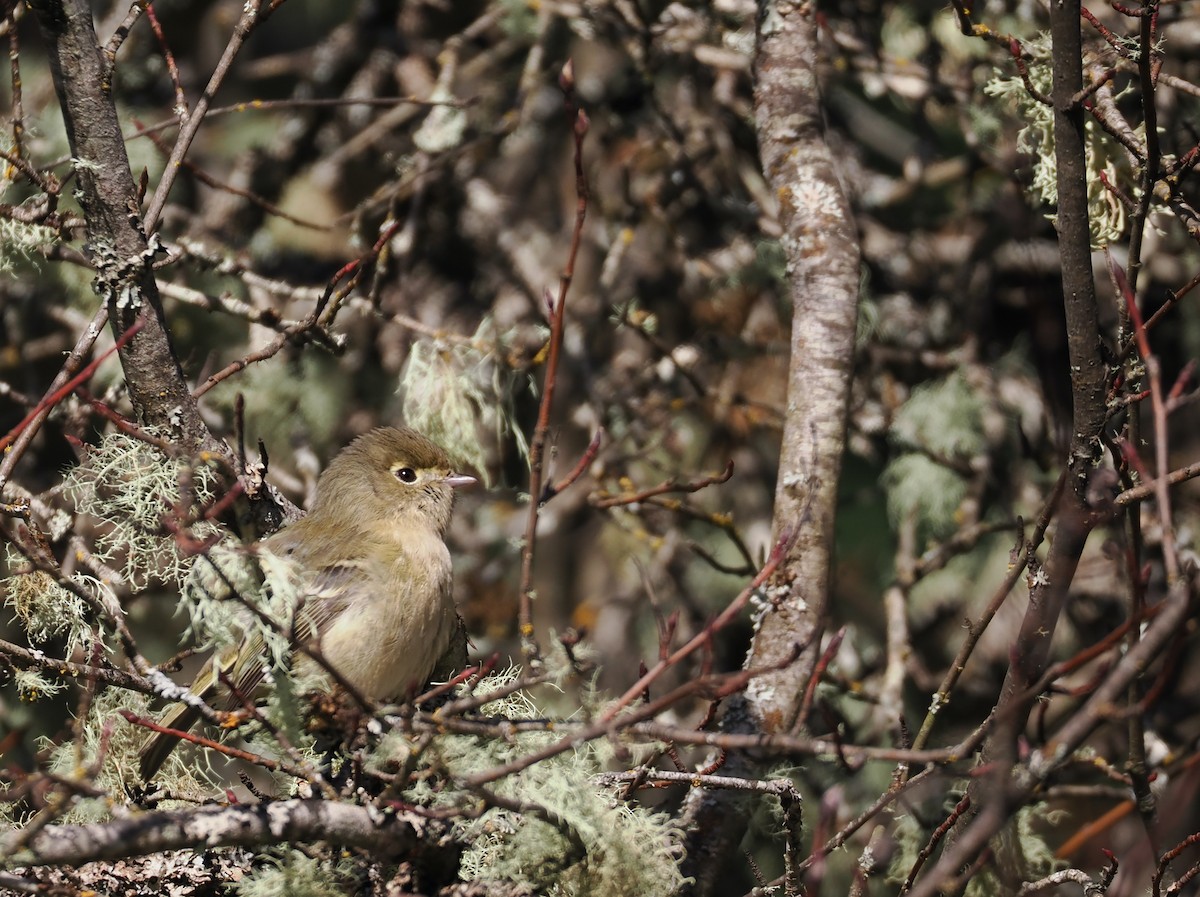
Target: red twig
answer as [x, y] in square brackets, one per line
[181, 108]
[822, 665]
[1166, 858]
[265, 762]
[481, 670]
[537, 446]
[124, 424]
[1090, 653]
[589, 455]
[1106, 182]
[221, 505]
[258, 105]
[1133, 458]
[1131, 12]
[1105, 32]
[939, 833]
[1173, 296]
[63, 391]
[705, 635]
[1181, 382]
[180, 522]
[1091, 88]
[1018, 55]
[352, 272]
[1110, 871]
[1158, 404]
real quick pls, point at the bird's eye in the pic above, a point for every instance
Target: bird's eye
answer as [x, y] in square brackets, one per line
[406, 475]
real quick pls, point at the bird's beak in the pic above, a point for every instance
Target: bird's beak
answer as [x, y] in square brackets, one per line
[455, 480]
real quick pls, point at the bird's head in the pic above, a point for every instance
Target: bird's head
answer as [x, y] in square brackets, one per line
[391, 472]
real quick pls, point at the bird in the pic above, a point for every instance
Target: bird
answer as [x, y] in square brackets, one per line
[375, 575]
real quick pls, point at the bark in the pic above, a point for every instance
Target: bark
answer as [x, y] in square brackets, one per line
[269, 823]
[1078, 513]
[823, 275]
[1086, 502]
[821, 245]
[116, 244]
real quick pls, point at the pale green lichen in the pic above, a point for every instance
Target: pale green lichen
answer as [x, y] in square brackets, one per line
[22, 243]
[518, 19]
[631, 314]
[46, 609]
[1106, 213]
[33, 684]
[1021, 846]
[129, 486]
[444, 126]
[940, 421]
[902, 35]
[628, 849]
[924, 491]
[944, 417]
[238, 596]
[292, 873]
[107, 736]
[301, 398]
[454, 391]
[234, 591]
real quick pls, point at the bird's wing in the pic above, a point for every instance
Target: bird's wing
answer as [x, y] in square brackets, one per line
[327, 566]
[335, 573]
[324, 589]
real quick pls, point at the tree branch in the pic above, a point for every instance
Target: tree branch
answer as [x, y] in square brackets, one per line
[820, 241]
[117, 245]
[209, 827]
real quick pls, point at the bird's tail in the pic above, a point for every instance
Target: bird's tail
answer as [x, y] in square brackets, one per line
[159, 745]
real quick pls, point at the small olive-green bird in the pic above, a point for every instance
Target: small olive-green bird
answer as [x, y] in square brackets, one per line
[375, 573]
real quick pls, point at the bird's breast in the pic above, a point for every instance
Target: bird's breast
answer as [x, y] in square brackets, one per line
[396, 623]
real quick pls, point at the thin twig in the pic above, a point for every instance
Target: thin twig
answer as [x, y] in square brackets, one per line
[606, 500]
[191, 127]
[537, 445]
[57, 395]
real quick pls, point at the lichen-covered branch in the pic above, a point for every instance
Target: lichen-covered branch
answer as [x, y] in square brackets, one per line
[209, 827]
[821, 246]
[119, 249]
